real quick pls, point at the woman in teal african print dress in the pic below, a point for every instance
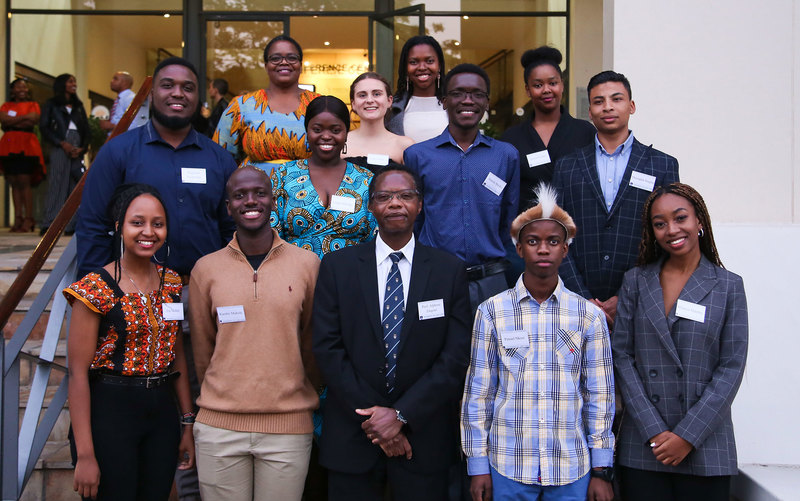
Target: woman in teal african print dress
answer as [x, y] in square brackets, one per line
[321, 202]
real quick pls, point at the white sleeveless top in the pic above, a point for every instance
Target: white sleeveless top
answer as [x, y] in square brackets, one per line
[424, 118]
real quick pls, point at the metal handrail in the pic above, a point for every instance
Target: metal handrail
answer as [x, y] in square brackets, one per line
[22, 442]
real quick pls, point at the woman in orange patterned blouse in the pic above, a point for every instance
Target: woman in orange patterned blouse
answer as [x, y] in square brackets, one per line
[124, 349]
[265, 127]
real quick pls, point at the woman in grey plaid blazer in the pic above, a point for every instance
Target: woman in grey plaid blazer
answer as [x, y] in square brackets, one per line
[679, 344]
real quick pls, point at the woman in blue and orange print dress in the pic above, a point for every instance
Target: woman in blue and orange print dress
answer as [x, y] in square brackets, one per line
[265, 127]
[126, 363]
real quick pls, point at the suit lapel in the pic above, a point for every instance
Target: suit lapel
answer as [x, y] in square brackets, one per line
[653, 302]
[590, 172]
[420, 271]
[697, 287]
[636, 162]
[369, 287]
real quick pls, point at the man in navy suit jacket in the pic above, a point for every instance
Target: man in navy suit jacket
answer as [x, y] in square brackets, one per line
[604, 186]
[391, 324]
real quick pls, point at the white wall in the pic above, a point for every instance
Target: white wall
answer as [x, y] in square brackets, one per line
[713, 84]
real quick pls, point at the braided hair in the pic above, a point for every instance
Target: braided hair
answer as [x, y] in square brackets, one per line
[122, 198]
[650, 251]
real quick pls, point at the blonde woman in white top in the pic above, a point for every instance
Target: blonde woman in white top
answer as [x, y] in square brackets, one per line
[370, 99]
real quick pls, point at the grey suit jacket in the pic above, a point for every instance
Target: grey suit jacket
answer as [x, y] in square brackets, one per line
[678, 374]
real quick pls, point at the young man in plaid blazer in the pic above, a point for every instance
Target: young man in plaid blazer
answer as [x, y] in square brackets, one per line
[604, 186]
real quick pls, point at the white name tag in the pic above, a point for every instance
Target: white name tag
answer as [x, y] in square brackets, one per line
[377, 159]
[642, 181]
[12, 113]
[193, 176]
[692, 311]
[172, 311]
[494, 184]
[431, 309]
[345, 204]
[514, 339]
[230, 314]
[538, 158]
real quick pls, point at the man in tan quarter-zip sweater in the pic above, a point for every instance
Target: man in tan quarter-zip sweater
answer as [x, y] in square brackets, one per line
[250, 314]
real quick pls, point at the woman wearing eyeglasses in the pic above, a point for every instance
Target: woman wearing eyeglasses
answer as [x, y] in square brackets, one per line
[265, 127]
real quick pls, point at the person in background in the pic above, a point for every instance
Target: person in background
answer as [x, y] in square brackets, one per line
[65, 126]
[252, 350]
[417, 110]
[321, 202]
[604, 186]
[370, 98]
[121, 83]
[21, 158]
[471, 185]
[539, 397]
[546, 136]
[127, 370]
[265, 127]
[402, 308]
[679, 345]
[217, 91]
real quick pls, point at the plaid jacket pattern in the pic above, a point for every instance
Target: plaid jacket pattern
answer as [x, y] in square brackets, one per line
[607, 242]
[679, 374]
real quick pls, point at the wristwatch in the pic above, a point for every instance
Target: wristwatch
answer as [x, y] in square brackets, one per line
[606, 473]
[400, 417]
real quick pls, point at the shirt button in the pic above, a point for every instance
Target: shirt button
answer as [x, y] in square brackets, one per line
[541, 367]
[609, 180]
[541, 420]
[180, 200]
[606, 257]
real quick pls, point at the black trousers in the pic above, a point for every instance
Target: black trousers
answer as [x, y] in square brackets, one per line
[387, 475]
[136, 432]
[643, 485]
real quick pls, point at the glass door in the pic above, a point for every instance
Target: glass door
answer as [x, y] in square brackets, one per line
[234, 50]
[388, 32]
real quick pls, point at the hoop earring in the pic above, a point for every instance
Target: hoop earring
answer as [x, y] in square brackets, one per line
[344, 150]
[701, 233]
[167, 250]
[408, 85]
[438, 80]
[121, 248]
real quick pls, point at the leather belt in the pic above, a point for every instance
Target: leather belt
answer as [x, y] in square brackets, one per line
[135, 381]
[486, 269]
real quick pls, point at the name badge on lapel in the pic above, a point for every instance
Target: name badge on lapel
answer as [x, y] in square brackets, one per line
[494, 184]
[514, 339]
[230, 314]
[642, 181]
[172, 311]
[344, 204]
[193, 176]
[431, 309]
[538, 158]
[691, 311]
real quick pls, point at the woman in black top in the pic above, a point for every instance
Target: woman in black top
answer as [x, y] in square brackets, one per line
[551, 132]
[65, 126]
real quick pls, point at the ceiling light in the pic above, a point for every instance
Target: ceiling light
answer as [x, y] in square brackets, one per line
[465, 17]
[458, 43]
[326, 42]
[166, 15]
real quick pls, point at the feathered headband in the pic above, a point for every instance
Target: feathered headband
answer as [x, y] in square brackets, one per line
[546, 210]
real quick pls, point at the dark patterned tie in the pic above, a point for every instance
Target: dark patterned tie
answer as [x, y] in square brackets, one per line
[392, 318]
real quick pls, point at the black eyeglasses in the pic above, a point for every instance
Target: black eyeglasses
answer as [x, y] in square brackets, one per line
[383, 197]
[476, 95]
[289, 58]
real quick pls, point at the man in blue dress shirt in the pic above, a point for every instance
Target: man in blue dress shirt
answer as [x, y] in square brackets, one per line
[470, 185]
[187, 168]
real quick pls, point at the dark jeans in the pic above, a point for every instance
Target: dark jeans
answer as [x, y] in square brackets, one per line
[136, 432]
[663, 486]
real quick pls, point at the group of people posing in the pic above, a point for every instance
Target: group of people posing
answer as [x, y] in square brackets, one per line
[347, 292]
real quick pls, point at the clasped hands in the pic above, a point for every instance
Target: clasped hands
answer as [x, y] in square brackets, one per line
[384, 429]
[669, 448]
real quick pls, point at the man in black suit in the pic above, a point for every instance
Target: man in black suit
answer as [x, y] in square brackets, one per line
[604, 186]
[391, 337]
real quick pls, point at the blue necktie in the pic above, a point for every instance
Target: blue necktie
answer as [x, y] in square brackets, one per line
[392, 318]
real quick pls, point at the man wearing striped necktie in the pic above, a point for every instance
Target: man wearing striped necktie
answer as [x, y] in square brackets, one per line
[391, 338]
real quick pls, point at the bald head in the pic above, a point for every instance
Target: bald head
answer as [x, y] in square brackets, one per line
[121, 81]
